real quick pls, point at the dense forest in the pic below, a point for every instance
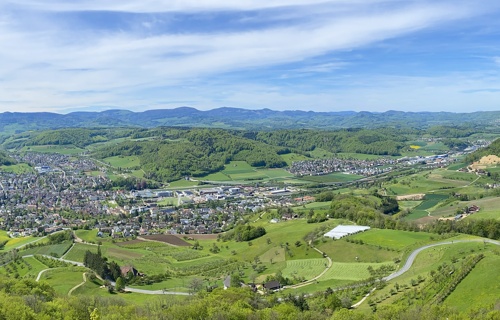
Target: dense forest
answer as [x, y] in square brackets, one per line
[170, 153]
[194, 152]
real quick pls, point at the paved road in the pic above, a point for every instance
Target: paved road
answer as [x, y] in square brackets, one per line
[414, 254]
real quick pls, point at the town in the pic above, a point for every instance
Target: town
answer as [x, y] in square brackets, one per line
[60, 193]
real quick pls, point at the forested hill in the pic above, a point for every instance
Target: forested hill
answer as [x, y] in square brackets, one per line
[235, 118]
[169, 153]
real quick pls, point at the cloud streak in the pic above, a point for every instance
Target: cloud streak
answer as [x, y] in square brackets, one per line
[49, 65]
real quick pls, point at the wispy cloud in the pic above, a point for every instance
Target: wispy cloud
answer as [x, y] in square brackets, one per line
[53, 62]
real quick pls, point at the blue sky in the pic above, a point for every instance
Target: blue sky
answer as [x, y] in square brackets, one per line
[321, 55]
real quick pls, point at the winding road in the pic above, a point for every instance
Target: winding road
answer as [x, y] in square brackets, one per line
[409, 262]
[413, 256]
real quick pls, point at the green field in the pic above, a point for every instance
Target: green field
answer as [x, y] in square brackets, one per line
[123, 161]
[306, 268]
[350, 271]
[480, 288]
[182, 183]
[469, 293]
[456, 175]
[276, 254]
[63, 279]
[235, 167]
[489, 208]
[56, 250]
[429, 182]
[14, 242]
[88, 235]
[343, 251]
[19, 168]
[456, 166]
[36, 266]
[421, 210]
[218, 176]
[410, 204]
[395, 239]
[242, 171]
[78, 251]
[274, 173]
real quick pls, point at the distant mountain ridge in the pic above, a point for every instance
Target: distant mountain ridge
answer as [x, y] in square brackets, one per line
[236, 118]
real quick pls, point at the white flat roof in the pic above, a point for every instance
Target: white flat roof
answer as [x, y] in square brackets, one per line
[342, 231]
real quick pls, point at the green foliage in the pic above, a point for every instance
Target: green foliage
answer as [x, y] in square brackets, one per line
[60, 237]
[389, 205]
[451, 131]
[107, 270]
[244, 233]
[120, 284]
[380, 141]
[6, 160]
[193, 152]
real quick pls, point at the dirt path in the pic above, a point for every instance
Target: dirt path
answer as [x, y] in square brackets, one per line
[313, 280]
[80, 240]
[78, 285]
[40, 274]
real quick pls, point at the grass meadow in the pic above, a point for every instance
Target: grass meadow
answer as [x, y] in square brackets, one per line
[350, 271]
[430, 201]
[123, 161]
[489, 208]
[77, 252]
[347, 252]
[63, 279]
[394, 239]
[240, 171]
[429, 182]
[480, 288]
[306, 268]
[467, 294]
[19, 168]
[56, 250]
